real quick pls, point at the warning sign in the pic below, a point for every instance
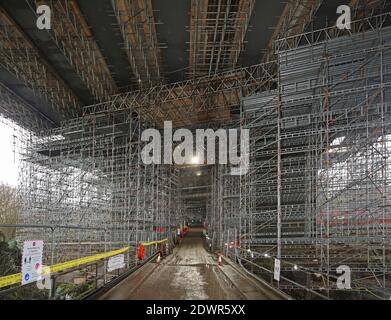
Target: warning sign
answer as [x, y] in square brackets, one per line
[116, 262]
[32, 261]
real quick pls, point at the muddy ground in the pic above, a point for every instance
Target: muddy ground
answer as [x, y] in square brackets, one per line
[190, 273]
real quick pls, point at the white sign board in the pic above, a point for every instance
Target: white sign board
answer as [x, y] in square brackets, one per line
[116, 262]
[277, 269]
[32, 261]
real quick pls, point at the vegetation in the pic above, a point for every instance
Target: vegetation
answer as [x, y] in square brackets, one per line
[73, 291]
[10, 254]
[9, 207]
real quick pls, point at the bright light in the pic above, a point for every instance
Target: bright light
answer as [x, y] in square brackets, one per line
[248, 250]
[198, 174]
[337, 141]
[195, 160]
[266, 255]
[295, 267]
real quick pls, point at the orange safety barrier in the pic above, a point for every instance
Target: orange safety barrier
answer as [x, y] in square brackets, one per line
[184, 231]
[141, 252]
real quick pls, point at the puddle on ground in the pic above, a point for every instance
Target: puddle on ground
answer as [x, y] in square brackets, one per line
[191, 282]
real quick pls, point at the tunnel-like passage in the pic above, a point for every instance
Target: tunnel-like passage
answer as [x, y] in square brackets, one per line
[190, 273]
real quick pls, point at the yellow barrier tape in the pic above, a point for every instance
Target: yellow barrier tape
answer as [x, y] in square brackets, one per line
[145, 244]
[11, 279]
[85, 260]
[17, 277]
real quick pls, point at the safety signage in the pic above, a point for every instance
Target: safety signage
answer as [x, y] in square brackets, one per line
[32, 261]
[116, 262]
[277, 269]
[16, 277]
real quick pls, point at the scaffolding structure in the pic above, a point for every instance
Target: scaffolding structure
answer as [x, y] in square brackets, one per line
[138, 29]
[72, 36]
[316, 193]
[316, 196]
[224, 218]
[217, 31]
[22, 58]
[85, 189]
[21, 112]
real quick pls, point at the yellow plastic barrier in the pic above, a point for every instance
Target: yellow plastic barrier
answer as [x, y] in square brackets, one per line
[85, 260]
[17, 277]
[146, 244]
[11, 279]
